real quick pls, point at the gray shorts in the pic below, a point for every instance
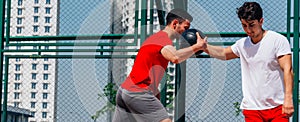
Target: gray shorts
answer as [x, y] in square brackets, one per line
[138, 107]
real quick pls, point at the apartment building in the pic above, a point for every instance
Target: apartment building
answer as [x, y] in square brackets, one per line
[31, 81]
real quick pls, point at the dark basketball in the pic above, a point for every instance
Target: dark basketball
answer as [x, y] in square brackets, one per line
[191, 37]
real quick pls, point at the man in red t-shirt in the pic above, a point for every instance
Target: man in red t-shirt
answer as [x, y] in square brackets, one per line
[136, 99]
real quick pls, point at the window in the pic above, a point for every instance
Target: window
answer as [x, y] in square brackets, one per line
[34, 66]
[33, 76]
[19, 11]
[35, 9]
[18, 67]
[33, 85]
[33, 94]
[19, 21]
[46, 59]
[47, 1]
[18, 59]
[33, 114]
[45, 77]
[16, 104]
[47, 19]
[19, 30]
[44, 105]
[156, 27]
[16, 95]
[32, 104]
[34, 59]
[35, 19]
[46, 47]
[34, 47]
[45, 86]
[36, 1]
[17, 76]
[45, 95]
[44, 114]
[46, 66]
[20, 2]
[17, 86]
[47, 10]
[35, 28]
[47, 29]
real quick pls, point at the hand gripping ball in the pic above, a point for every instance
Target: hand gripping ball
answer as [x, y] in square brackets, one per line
[191, 37]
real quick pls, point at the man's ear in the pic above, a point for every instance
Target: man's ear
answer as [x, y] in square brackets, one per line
[261, 21]
[175, 22]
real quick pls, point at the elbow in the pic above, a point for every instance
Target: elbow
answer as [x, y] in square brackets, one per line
[225, 58]
[175, 60]
[292, 73]
[220, 56]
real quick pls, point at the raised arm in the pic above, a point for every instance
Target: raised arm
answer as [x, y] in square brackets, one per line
[177, 56]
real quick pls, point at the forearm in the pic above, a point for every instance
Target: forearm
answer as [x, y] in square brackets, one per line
[288, 107]
[216, 52]
[185, 53]
[288, 84]
[178, 56]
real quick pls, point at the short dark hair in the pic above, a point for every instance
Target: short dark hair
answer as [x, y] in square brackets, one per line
[250, 11]
[179, 14]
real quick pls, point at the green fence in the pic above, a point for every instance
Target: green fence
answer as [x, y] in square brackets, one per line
[63, 59]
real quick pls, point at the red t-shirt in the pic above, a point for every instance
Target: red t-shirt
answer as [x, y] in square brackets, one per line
[149, 66]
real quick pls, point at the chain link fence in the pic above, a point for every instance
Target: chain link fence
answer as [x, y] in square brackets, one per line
[79, 89]
[220, 16]
[214, 87]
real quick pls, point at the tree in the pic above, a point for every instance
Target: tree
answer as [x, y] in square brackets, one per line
[110, 92]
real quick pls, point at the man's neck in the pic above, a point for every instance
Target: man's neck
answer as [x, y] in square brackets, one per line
[170, 32]
[259, 37]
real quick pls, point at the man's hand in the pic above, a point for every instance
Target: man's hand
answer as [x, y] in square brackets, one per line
[288, 107]
[201, 43]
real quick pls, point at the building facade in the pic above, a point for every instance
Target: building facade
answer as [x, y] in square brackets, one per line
[31, 82]
[15, 114]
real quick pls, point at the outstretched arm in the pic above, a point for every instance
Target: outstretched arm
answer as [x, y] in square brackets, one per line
[177, 56]
[220, 52]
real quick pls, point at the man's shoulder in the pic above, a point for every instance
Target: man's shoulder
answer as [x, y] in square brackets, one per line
[274, 33]
[242, 40]
[159, 38]
[160, 34]
[276, 36]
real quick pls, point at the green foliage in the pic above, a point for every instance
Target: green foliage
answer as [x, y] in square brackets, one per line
[110, 92]
[169, 95]
[237, 108]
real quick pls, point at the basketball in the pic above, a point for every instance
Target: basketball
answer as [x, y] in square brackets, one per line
[191, 37]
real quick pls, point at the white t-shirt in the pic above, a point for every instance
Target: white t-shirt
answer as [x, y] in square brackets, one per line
[262, 77]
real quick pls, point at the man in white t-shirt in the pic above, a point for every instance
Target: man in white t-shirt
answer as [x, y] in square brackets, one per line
[267, 75]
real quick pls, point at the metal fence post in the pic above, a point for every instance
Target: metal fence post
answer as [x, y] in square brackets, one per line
[180, 77]
[296, 59]
[2, 21]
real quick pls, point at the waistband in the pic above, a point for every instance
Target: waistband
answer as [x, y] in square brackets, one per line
[132, 92]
